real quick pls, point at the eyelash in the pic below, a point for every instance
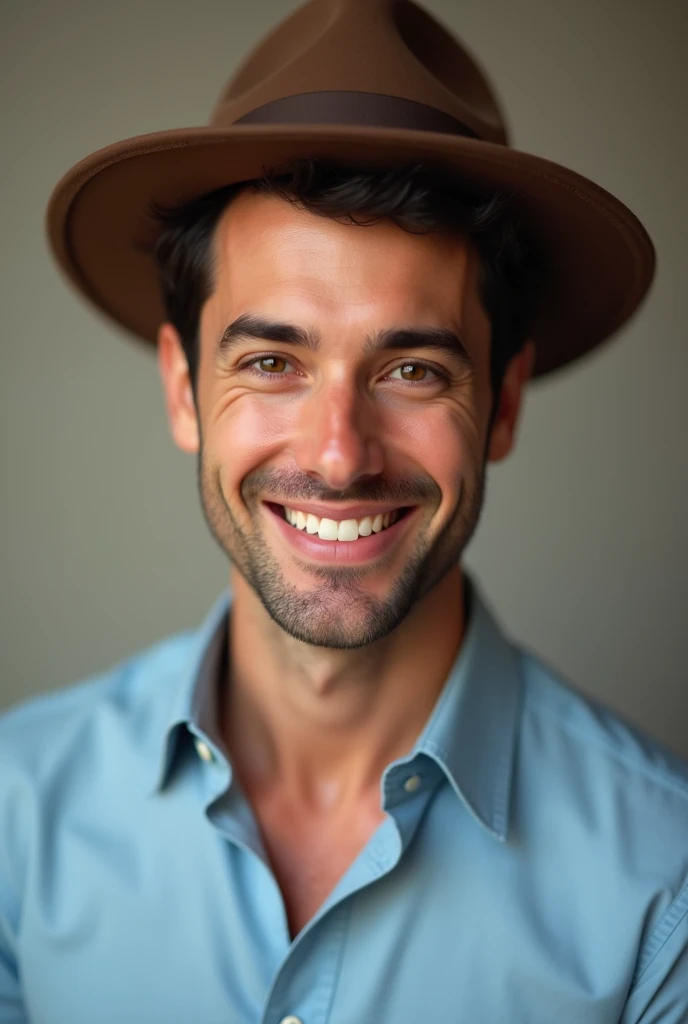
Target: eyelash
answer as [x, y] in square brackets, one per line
[264, 375]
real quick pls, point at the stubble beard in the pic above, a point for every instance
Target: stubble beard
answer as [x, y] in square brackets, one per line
[337, 612]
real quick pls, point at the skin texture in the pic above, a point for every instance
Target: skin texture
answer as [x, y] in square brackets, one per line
[336, 667]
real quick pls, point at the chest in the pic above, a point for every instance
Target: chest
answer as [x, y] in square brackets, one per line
[309, 856]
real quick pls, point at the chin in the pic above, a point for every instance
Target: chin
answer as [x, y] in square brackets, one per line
[337, 610]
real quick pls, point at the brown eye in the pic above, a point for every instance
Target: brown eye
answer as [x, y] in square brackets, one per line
[411, 371]
[272, 364]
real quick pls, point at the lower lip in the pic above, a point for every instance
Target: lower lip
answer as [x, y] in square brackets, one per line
[341, 552]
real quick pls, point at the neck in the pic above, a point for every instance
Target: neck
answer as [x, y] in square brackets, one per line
[320, 725]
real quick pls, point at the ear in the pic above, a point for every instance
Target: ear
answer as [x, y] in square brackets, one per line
[176, 381]
[518, 372]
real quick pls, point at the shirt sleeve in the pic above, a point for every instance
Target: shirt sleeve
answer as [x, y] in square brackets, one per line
[659, 994]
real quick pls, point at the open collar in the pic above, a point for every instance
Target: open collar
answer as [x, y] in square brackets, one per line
[471, 733]
[191, 702]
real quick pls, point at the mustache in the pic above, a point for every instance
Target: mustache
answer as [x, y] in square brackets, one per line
[292, 486]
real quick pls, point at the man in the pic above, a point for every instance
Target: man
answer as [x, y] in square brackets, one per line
[347, 797]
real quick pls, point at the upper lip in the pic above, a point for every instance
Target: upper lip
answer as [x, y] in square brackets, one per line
[339, 512]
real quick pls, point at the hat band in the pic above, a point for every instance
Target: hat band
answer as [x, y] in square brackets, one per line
[368, 109]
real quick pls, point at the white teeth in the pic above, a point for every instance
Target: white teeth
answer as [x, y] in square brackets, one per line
[365, 527]
[328, 529]
[348, 530]
[339, 529]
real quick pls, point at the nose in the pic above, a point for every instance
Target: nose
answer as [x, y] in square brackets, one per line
[338, 436]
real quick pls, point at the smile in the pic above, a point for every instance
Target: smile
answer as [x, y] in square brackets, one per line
[340, 529]
[318, 537]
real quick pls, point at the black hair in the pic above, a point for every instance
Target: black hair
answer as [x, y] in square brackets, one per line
[417, 197]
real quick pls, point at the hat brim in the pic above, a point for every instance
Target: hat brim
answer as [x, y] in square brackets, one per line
[599, 261]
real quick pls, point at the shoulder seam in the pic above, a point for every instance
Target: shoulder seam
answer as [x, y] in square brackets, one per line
[91, 690]
[656, 774]
[666, 926]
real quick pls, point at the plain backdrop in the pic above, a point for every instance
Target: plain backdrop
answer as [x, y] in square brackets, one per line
[581, 549]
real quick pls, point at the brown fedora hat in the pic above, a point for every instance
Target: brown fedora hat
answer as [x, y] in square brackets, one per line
[373, 82]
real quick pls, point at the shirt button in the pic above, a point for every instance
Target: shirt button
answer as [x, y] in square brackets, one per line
[412, 783]
[203, 750]
[291, 1019]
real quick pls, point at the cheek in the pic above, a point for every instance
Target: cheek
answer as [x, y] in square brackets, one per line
[245, 433]
[443, 440]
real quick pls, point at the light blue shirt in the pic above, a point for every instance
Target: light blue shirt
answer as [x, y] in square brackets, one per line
[532, 866]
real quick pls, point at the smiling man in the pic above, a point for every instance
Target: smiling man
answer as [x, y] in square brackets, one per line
[343, 426]
[343, 420]
[347, 796]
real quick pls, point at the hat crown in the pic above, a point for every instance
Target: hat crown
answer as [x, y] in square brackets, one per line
[362, 48]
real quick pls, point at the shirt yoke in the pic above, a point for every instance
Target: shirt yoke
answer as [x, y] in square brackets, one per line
[593, 725]
[36, 731]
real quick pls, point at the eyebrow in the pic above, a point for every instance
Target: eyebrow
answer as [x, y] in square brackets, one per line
[249, 325]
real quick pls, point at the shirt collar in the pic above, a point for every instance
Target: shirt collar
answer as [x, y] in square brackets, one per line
[471, 733]
[192, 699]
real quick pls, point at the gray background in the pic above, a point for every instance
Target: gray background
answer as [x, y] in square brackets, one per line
[582, 546]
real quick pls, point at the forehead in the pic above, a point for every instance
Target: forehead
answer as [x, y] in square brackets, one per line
[271, 257]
